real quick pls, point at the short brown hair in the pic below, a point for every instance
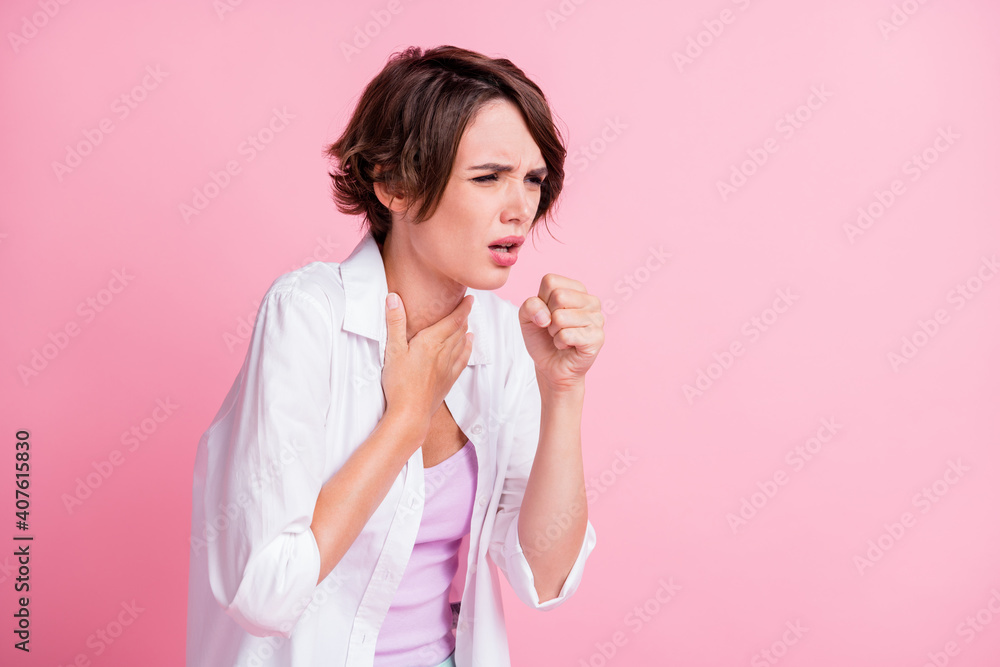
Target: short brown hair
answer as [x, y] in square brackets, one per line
[410, 120]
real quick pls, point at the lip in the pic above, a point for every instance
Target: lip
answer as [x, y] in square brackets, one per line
[505, 258]
[514, 240]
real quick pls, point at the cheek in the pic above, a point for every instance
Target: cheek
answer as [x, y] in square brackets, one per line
[477, 198]
[475, 209]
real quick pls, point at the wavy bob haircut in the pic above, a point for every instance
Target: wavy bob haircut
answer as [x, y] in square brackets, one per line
[409, 122]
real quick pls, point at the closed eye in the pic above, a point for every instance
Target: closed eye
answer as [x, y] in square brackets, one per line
[493, 177]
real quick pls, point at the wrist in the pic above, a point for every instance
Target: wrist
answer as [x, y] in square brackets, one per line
[408, 426]
[574, 390]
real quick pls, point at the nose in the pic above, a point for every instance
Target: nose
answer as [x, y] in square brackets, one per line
[519, 204]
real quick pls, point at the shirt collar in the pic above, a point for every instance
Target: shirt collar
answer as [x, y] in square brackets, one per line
[365, 291]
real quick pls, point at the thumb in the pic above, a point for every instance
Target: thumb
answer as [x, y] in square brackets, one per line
[395, 321]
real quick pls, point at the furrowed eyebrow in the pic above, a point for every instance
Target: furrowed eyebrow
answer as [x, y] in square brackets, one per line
[541, 172]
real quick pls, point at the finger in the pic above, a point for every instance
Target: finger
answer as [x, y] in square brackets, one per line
[567, 297]
[457, 349]
[554, 281]
[586, 340]
[463, 358]
[395, 322]
[451, 329]
[572, 318]
[457, 320]
[535, 311]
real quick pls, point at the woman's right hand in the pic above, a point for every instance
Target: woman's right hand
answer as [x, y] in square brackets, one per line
[419, 373]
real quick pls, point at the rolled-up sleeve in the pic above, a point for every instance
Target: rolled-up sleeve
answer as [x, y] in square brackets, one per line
[505, 546]
[267, 467]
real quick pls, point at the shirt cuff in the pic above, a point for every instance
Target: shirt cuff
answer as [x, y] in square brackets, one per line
[277, 585]
[522, 580]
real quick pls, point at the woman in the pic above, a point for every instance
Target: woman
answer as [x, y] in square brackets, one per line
[394, 420]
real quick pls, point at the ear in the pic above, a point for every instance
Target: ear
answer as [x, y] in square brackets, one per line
[393, 202]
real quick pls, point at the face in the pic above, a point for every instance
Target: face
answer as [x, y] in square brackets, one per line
[492, 193]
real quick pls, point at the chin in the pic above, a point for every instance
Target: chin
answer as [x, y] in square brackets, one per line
[488, 284]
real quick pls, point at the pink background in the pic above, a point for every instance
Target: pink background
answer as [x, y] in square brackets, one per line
[650, 140]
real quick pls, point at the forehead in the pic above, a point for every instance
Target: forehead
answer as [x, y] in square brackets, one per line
[498, 131]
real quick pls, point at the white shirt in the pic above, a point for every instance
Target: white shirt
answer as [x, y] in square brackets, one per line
[308, 394]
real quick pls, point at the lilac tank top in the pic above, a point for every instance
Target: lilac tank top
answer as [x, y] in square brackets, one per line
[417, 630]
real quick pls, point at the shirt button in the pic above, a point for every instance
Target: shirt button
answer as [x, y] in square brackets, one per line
[477, 429]
[482, 501]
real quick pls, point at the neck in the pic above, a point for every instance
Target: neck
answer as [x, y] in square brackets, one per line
[428, 296]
